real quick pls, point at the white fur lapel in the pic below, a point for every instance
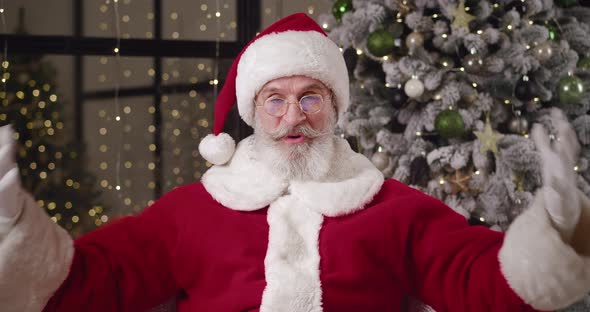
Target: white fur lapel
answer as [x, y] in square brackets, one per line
[292, 263]
[295, 215]
[246, 184]
[243, 184]
[351, 182]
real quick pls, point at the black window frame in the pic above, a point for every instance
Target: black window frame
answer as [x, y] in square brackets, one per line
[248, 21]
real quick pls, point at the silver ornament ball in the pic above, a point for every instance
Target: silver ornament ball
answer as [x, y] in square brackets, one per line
[414, 88]
[544, 51]
[380, 160]
[518, 125]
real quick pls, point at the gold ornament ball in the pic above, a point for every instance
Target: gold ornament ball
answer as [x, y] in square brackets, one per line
[446, 62]
[380, 160]
[571, 90]
[414, 40]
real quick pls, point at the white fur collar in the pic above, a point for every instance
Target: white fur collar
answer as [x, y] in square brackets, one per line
[246, 184]
[295, 216]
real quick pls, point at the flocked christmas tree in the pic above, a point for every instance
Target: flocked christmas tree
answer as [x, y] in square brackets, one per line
[444, 94]
[52, 167]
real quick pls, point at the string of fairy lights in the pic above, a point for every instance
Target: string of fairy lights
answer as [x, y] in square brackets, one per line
[187, 122]
[185, 118]
[43, 97]
[4, 63]
[117, 51]
[518, 124]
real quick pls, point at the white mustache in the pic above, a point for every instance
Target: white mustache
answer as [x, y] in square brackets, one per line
[284, 130]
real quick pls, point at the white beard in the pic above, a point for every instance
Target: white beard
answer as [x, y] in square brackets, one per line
[310, 160]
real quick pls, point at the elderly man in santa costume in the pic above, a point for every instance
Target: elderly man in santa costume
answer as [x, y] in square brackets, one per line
[293, 220]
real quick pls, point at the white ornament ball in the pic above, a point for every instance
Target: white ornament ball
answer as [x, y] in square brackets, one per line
[380, 160]
[414, 88]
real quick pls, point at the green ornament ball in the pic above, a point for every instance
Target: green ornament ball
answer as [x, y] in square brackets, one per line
[553, 31]
[380, 43]
[570, 89]
[449, 124]
[340, 7]
[584, 63]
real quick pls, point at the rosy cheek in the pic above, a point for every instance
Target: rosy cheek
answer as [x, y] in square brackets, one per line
[269, 123]
[316, 121]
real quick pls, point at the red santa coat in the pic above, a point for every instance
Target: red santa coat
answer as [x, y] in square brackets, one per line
[352, 243]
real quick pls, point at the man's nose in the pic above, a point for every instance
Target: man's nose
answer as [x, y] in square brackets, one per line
[294, 115]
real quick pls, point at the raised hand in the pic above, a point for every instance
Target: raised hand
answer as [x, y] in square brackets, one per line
[559, 178]
[10, 188]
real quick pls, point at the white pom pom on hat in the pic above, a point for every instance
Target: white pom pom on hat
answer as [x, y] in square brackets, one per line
[294, 45]
[217, 149]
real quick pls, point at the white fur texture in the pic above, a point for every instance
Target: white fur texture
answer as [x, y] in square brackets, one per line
[243, 184]
[35, 258]
[292, 263]
[351, 182]
[247, 184]
[217, 150]
[10, 202]
[295, 216]
[543, 270]
[290, 53]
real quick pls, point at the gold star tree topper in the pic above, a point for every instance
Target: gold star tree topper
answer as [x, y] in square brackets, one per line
[460, 17]
[488, 138]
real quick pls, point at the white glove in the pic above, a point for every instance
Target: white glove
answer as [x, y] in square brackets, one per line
[11, 199]
[559, 189]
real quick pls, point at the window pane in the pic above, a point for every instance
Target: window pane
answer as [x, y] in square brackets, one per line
[39, 105]
[39, 18]
[196, 20]
[126, 144]
[102, 72]
[136, 18]
[187, 117]
[187, 113]
[188, 71]
[272, 10]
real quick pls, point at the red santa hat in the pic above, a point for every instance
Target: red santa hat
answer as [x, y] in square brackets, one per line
[294, 45]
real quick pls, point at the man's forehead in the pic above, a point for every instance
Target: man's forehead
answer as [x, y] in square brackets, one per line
[299, 82]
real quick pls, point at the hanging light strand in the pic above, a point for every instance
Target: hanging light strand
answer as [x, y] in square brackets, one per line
[5, 50]
[117, 76]
[217, 47]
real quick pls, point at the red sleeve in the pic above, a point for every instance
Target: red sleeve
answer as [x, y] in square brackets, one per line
[125, 266]
[454, 266]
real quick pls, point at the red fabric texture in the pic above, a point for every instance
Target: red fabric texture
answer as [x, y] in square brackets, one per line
[212, 258]
[227, 96]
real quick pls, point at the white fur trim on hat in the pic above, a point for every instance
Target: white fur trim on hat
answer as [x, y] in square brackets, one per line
[290, 53]
[217, 149]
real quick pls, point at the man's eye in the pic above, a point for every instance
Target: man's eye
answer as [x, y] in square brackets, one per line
[276, 101]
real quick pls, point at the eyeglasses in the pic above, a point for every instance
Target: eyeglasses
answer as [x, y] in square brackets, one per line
[278, 106]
